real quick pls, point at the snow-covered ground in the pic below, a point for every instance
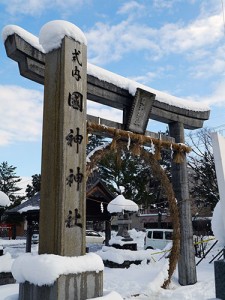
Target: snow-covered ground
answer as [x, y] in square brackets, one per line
[137, 282]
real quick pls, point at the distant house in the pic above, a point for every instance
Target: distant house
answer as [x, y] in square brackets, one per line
[97, 196]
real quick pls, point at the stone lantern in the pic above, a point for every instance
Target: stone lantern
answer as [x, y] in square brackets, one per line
[123, 208]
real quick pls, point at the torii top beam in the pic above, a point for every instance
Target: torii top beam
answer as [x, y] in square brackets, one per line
[139, 103]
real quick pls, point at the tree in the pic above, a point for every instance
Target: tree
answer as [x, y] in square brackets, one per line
[34, 187]
[203, 181]
[130, 171]
[93, 142]
[9, 181]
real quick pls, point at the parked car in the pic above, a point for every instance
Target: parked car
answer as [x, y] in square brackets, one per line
[157, 238]
[35, 238]
[94, 237]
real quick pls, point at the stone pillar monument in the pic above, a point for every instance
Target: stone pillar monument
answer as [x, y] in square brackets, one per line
[63, 188]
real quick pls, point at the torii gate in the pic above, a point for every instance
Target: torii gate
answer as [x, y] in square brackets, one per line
[137, 109]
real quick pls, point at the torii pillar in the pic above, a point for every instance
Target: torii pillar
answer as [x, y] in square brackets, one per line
[186, 262]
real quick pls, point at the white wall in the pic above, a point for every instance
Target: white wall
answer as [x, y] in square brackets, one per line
[218, 142]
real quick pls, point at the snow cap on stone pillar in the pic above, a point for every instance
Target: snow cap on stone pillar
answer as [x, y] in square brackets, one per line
[53, 32]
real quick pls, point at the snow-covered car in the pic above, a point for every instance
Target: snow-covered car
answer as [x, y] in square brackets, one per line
[94, 237]
[35, 238]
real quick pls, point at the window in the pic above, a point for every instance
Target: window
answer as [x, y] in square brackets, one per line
[168, 235]
[150, 234]
[158, 235]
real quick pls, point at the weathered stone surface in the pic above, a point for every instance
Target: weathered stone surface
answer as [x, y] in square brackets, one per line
[186, 263]
[140, 111]
[219, 270]
[6, 278]
[63, 193]
[67, 287]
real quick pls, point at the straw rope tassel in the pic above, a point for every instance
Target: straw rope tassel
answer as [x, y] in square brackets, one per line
[158, 148]
[178, 155]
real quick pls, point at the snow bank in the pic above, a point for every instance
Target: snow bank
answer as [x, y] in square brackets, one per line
[155, 285]
[48, 267]
[120, 255]
[109, 296]
[6, 262]
[119, 240]
[218, 224]
[120, 204]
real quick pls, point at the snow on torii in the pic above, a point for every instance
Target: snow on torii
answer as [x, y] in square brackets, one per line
[50, 37]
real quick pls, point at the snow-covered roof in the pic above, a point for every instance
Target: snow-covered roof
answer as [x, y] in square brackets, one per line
[120, 204]
[29, 205]
[51, 35]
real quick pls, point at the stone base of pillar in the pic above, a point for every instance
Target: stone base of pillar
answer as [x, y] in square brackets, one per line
[6, 278]
[219, 270]
[67, 287]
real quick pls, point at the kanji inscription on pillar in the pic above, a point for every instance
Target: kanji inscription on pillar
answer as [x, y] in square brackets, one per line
[65, 158]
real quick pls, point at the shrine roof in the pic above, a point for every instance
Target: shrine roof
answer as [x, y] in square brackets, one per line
[30, 205]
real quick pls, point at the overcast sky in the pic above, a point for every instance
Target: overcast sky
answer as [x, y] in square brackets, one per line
[176, 46]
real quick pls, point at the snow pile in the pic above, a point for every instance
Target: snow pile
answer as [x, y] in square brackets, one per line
[119, 256]
[138, 282]
[52, 34]
[4, 199]
[6, 262]
[48, 267]
[120, 204]
[109, 296]
[12, 243]
[218, 224]
[155, 285]
[119, 240]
